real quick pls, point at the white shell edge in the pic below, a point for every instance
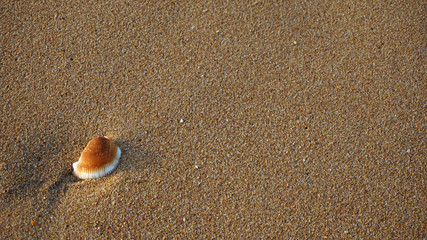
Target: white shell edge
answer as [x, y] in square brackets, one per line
[101, 172]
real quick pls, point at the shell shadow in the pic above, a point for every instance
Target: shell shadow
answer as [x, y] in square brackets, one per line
[42, 181]
[37, 157]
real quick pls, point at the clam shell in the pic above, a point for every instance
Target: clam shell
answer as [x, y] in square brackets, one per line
[99, 158]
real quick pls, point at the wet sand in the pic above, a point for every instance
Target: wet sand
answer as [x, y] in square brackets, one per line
[236, 120]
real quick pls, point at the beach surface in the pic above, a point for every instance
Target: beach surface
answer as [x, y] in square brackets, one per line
[260, 120]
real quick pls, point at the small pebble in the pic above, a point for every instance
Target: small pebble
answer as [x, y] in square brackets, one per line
[3, 166]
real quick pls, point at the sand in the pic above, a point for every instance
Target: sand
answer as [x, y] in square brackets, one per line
[262, 120]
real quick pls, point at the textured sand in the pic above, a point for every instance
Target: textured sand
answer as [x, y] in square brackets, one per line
[303, 119]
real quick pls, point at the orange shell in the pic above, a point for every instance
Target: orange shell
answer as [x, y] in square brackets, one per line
[100, 157]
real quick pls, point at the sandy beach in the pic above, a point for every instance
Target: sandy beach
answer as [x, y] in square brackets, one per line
[254, 120]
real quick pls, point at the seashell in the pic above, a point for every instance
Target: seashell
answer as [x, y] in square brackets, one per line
[99, 158]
